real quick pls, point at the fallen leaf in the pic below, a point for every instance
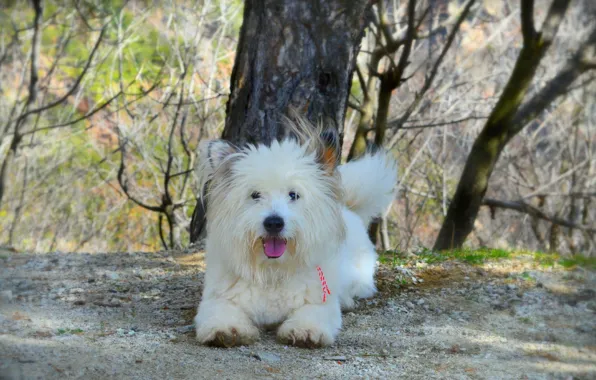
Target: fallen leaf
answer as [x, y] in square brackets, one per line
[441, 367]
[547, 355]
[20, 317]
[58, 369]
[272, 370]
[455, 349]
[42, 334]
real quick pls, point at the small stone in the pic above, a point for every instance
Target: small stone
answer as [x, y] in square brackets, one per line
[335, 358]
[114, 302]
[25, 285]
[420, 301]
[266, 357]
[76, 291]
[584, 329]
[80, 301]
[6, 296]
[185, 329]
[409, 304]
[112, 275]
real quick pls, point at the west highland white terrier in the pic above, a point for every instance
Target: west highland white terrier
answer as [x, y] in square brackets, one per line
[287, 242]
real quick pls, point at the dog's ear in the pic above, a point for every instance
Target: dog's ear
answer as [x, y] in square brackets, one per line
[329, 156]
[212, 153]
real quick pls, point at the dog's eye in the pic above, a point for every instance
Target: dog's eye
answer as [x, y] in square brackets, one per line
[255, 195]
[294, 195]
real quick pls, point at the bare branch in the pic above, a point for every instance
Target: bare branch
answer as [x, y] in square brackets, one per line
[450, 122]
[527, 21]
[556, 87]
[553, 19]
[36, 43]
[523, 207]
[124, 182]
[73, 88]
[398, 123]
[355, 107]
[409, 40]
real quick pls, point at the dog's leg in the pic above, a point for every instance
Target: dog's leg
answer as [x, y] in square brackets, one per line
[312, 325]
[223, 324]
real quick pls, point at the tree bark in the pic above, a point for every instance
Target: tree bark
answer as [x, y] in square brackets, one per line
[499, 128]
[298, 54]
[291, 55]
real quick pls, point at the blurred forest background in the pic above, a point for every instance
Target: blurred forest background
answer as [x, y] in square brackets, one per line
[102, 104]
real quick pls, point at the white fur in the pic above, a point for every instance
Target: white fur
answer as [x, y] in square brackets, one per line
[369, 184]
[245, 290]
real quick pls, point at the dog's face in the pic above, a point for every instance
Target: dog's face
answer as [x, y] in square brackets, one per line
[272, 206]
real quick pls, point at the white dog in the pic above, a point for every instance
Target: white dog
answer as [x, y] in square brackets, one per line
[287, 242]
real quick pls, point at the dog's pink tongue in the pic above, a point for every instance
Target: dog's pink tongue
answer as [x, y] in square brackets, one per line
[274, 247]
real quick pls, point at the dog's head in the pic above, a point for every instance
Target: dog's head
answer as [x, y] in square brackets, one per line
[273, 206]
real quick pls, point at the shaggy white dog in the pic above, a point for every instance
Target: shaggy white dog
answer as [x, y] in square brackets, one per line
[287, 242]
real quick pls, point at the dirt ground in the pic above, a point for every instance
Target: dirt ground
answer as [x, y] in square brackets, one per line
[129, 315]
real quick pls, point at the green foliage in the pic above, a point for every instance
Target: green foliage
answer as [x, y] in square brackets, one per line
[69, 331]
[79, 163]
[527, 277]
[428, 256]
[525, 320]
[578, 261]
[483, 255]
[553, 259]
[545, 259]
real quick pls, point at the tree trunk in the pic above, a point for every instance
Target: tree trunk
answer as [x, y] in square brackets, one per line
[298, 54]
[483, 157]
[499, 128]
[292, 54]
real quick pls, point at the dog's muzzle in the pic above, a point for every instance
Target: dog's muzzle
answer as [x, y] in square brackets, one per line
[274, 247]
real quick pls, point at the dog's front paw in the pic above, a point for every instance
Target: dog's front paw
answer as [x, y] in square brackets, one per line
[228, 336]
[295, 334]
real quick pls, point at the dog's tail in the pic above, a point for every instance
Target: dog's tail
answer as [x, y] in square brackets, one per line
[369, 184]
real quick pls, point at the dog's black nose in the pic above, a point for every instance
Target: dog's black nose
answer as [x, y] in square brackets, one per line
[273, 224]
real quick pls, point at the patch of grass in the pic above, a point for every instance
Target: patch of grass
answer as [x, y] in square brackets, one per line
[477, 256]
[545, 259]
[428, 256]
[579, 261]
[431, 257]
[482, 255]
[527, 277]
[393, 258]
[526, 320]
[70, 331]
